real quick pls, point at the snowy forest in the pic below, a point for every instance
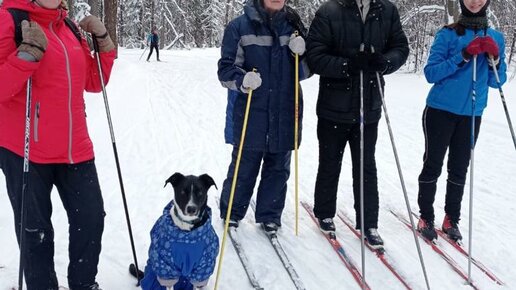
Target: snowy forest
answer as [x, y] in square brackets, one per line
[200, 23]
[185, 24]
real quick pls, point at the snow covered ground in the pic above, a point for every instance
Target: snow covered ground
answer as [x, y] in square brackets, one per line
[169, 117]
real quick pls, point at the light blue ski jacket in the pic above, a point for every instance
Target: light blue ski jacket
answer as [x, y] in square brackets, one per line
[453, 79]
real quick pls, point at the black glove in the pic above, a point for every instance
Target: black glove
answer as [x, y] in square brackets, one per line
[359, 62]
[377, 63]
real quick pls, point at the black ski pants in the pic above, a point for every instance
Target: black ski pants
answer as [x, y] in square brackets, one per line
[79, 190]
[270, 197]
[445, 131]
[333, 137]
[152, 47]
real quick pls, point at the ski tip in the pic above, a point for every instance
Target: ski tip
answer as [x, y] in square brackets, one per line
[137, 273]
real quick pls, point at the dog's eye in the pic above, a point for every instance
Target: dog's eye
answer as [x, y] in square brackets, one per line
[183, 192]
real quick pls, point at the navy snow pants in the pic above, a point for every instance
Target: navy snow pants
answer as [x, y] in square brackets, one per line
[270, 198]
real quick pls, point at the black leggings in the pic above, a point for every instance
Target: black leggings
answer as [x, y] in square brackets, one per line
[79, 189]
[445, 131]
[152, 47]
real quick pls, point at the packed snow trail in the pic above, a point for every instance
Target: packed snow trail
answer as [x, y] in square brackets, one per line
[169, 117]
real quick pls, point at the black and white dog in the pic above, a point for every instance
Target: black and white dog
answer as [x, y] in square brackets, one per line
[184, 245]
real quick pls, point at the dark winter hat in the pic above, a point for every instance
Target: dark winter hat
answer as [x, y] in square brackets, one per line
[467, 13]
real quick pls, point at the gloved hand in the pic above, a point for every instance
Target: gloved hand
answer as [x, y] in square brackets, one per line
[490, 47]
[252, 81]
[297, 44]
[34, 40]
[377, 62]
[360, 62]
[473, 48]
[93, 25]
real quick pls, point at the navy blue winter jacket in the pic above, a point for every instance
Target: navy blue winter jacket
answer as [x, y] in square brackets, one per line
[256, 40]
[175, 253]
[453, 80]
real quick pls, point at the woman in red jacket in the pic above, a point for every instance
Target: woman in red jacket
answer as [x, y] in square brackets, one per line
[61, 152]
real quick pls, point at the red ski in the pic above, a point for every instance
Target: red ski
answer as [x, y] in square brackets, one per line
[348, 262]
[458, 246]
[380, 253]
[453, 264]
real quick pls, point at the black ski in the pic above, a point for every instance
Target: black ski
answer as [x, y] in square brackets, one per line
[239, 249]
[273, 238]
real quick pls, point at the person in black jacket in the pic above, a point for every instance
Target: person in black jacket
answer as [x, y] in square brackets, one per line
[333, 51]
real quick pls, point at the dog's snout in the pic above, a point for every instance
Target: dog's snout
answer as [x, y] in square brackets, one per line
[191, 209]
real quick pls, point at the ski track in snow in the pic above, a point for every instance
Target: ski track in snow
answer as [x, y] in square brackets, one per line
[169, 117]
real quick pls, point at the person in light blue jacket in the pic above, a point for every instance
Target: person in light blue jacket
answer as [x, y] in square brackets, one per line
[449, 108]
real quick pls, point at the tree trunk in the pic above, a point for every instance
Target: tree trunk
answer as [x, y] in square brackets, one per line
[95, 7]
[110, 19]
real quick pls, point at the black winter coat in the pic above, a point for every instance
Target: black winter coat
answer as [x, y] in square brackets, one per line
[334, 37]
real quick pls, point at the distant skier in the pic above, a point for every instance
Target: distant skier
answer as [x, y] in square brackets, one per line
[447, 116]
[153, 42]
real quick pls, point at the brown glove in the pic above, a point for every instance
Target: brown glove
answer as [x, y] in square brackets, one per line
[34, 40]
[93, 25]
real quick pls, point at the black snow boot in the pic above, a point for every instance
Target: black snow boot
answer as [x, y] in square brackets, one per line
[451, 229]
[427, 230]
[373, 238]
[327, 226]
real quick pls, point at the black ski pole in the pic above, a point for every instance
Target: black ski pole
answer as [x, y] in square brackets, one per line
[25, 183]
[402, 180]
[115, 151]
[502, 96]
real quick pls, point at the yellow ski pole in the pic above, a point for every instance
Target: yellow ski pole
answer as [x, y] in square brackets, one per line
[296, 138]
[233, 185]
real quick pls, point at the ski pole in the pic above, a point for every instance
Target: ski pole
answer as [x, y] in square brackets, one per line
[233, 185]
[25, 182]
[296, 137]
[115, 151]
[362, 237]
[144, 50]
[472, 162]
[400, 173]
[502, 96]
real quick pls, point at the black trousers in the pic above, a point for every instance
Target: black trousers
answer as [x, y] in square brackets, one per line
[332, 141]
[271, 193]
[152, 47]
[445, 131]
[79, 190]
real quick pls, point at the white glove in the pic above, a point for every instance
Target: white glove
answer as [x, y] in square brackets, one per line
[252, 81]
[297, 44]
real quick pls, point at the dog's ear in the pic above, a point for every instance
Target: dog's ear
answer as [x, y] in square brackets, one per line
[207, 181]
[175, 179]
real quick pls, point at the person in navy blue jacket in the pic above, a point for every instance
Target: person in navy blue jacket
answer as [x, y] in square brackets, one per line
[449, 107]
[153, 43]
[263, 39]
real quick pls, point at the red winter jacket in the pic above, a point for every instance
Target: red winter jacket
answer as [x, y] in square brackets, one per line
[58, 120]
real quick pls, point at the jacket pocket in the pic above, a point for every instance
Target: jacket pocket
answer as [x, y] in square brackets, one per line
[336, 96]
[36, 122]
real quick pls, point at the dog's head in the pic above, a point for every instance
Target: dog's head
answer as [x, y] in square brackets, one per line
[190, 194]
